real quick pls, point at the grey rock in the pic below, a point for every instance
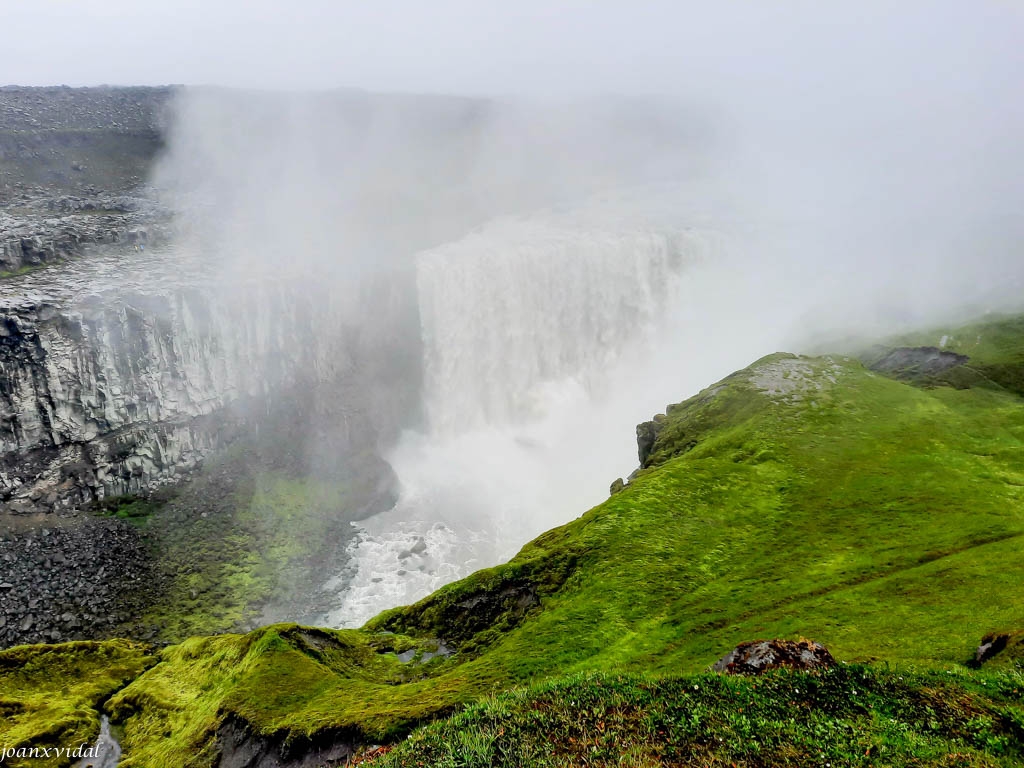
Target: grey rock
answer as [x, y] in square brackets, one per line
[915, 362]
[646, 434]
[758, 656]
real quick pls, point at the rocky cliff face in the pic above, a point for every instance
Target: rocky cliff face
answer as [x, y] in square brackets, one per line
[121, 372]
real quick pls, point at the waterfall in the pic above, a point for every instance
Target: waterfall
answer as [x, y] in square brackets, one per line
[533, 329]
[520, 306]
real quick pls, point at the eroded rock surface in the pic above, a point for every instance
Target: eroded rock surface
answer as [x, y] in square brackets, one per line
[996, 643]
[53, 229]
[239, 746]
[916, 362]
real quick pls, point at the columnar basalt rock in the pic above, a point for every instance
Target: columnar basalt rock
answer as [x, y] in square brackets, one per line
[121, 372]
[49, 230]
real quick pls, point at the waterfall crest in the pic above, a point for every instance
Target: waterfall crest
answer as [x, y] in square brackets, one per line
[520, 305]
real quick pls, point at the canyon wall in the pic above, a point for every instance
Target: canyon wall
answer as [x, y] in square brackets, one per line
[120, 374]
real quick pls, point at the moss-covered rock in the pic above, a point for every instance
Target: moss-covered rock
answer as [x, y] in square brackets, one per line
[278, 686]
[51, 695]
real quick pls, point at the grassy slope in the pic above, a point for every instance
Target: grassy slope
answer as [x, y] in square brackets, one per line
[882, 519]
[849, 716]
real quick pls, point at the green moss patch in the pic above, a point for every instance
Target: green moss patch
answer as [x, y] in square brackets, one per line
[126, 507]
[50, 695]
[282, 680]
[234, 543]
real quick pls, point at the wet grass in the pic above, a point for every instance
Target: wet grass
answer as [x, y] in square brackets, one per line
[846, 716]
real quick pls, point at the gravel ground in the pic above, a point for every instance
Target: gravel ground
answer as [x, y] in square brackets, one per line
[71, 578]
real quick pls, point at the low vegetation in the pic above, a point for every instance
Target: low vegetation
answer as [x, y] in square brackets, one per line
[845, 716]
[234, 543]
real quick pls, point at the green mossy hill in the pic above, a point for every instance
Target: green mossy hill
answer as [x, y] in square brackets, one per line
[846, 716]
[284, 680]
[50, 695]
[799, 497]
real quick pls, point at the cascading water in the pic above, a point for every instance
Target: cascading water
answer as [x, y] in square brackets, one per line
[512, 309]
[533, 330]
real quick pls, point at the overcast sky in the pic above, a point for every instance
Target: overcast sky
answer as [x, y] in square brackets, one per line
[533, 46]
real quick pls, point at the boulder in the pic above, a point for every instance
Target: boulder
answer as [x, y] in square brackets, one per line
[995, 643]
[646, 434]
[758, 656]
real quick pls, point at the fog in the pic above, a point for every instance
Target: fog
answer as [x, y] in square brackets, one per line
[611, 207]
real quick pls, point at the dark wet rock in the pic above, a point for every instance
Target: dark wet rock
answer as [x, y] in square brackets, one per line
[81, 581]
[996, 643]
[416, 549]
[239, 746]
[646, 434]
[419, 547]
[757, 656]
[917, 362]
